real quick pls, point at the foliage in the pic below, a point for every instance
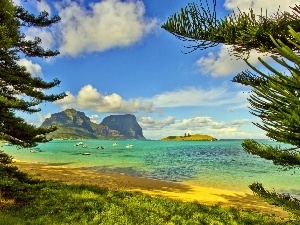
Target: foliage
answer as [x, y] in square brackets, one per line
[279, 156]
[244, 31]
[19, 90]
[284, 200]
[276, 100]
[275, 96]
[14, 184]
[5, 159]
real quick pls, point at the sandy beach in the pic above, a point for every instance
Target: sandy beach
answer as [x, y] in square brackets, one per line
[175, 190]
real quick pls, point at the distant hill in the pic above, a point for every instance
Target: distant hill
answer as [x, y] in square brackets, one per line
[73, 124]
[194, 137]
[125, 124]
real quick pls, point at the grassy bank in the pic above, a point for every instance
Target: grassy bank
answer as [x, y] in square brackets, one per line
[24, 200]
[54, 203]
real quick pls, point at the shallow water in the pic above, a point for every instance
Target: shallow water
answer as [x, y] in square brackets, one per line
[220, 164]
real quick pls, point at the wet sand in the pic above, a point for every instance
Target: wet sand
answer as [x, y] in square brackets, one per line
[176, 190]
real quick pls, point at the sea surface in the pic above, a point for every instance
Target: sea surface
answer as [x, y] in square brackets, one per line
[219, 164]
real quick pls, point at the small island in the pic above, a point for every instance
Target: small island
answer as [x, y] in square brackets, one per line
[189, 137]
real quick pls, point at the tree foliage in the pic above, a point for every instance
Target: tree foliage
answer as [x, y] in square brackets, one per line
[276, 102]
[19, 90]
[275, 96]
[198, 24]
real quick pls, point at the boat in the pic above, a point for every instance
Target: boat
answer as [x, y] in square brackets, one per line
[36, 149]
[100, 147]
[8, 144]
[79, 143]
[84, 146]
[115, 144]
[85, 153]
[129, 146]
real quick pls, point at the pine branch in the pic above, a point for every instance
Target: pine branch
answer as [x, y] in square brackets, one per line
[288, 158]
[41, 20]
[285, 201]
[243, 31]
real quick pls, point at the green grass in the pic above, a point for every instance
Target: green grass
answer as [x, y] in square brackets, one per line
[72, 204]
[47, 202]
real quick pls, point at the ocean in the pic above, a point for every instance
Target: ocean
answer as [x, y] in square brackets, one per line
[220, 164]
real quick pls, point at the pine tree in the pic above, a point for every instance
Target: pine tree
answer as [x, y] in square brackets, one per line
[275, 96]
[19, 90]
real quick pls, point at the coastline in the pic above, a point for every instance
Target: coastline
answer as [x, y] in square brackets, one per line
[176, 190]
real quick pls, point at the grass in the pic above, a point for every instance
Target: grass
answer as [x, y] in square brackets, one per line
[24, 200]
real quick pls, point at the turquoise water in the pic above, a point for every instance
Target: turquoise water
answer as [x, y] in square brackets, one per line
[221, 164]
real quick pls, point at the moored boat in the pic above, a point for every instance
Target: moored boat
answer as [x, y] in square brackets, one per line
[79, 143]
[85, 153]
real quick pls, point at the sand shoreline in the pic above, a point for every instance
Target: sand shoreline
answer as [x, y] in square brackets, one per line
[176, 190]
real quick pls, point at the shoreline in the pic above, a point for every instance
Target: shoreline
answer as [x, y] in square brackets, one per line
[183, 191]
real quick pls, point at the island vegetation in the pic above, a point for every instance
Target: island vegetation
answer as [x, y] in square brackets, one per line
[190, 137]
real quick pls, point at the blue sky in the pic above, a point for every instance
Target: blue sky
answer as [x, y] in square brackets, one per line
[115, 59]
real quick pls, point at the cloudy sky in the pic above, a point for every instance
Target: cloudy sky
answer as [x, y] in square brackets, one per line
[115, 59]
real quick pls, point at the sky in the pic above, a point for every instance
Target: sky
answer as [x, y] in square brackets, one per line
[116, 59]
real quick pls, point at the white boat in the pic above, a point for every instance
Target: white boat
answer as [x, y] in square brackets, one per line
[115, 144]
[79, 143]
[8, 144]
[36, 149]
[129, 146]
[85, 153]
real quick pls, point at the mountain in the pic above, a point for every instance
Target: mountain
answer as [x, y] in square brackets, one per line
[125, 124]
[75, 124]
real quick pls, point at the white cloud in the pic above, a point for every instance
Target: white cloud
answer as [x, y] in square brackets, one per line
[221, 64]
[192, 124]
[45, 34]
[41, 117]
[157, 129]
[150, 123]
[94, 118]
[240, 122]
[17, 2]
[271, 5]
[107, 24]
[198, 123]
[35, 119]
[33, 68]
[89, 98]
[43, 6]
[191, 96]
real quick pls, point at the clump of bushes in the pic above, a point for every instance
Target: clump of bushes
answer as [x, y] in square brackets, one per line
[15, 185]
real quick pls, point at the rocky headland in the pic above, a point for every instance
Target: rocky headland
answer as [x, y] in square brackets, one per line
[72, 124]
